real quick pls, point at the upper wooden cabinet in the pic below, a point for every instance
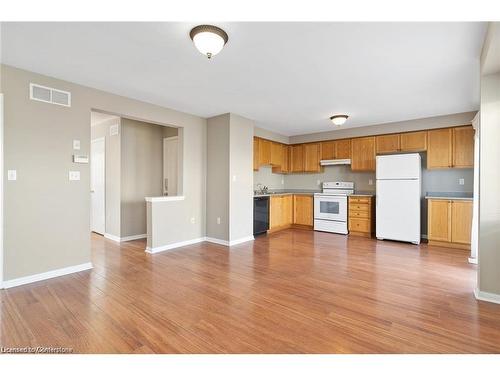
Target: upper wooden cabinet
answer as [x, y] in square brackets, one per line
[463, 147]
[363, 154]
[450, 148]
[311, 157]
[264, 152]
[256, 164]
[328, 150]
[343, 149]
[388, 143]
[413, 141]
[297, 158]
[439, 148]
[276, 154]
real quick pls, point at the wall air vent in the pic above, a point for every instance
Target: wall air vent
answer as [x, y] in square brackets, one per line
[49, 95]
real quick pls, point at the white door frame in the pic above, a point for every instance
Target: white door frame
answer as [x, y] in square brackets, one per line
[100, 139]
[1, 191]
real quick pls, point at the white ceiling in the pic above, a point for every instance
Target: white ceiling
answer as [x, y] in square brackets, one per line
[288, 77]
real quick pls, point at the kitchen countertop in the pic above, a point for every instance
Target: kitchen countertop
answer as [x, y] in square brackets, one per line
[363, 194]
[449, 195]
[287, 192]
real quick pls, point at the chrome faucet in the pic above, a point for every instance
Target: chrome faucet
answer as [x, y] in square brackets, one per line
[262, 189]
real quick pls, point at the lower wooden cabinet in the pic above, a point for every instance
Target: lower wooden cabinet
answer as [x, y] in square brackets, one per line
[280, 211]
[449, 223]
[303, 210]
[361, 215]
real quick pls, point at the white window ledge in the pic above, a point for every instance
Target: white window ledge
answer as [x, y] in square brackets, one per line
[165, 198]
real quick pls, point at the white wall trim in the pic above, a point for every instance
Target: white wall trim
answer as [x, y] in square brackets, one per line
[1, 190]
[485, 296]
[472, 260]
[165, 198]
[241, 240]
[217, 241]
[46, 275]
[154, 250]
[134, 237]
[112, 237]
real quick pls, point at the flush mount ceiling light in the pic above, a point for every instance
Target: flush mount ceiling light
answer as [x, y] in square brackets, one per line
[339, 119]
[208, 39]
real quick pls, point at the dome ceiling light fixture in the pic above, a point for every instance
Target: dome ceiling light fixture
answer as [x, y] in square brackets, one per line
[208, 39]
[339, 119]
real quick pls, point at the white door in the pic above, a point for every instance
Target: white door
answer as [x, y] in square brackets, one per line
[170, 162]
[97, 185]
[398, 210]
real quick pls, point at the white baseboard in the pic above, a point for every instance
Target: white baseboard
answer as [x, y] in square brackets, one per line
[134, 237]
[485, 296]
[112, 237]
[154, 250]
[46, 275]
[241, 240]
[217, 241]
[472, 260]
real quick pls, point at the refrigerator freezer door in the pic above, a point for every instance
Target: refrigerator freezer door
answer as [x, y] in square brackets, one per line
[399, 167]
[398, 210]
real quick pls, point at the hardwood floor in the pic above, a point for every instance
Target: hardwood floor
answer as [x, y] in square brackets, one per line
[293, 291]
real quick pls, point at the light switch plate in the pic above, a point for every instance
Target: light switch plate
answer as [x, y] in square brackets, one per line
[113, 130]
[11, 175]
[461, 181]
[76, 144]
[74, 175]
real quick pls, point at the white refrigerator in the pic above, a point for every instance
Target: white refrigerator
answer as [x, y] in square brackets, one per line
[398, 197]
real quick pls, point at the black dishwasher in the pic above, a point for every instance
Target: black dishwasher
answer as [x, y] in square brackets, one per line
[260, 215]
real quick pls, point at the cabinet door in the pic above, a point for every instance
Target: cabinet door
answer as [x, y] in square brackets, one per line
[328, 150]
[343, 149]
[275, 212]
[303, 210]
[363, 154]
[414, 141]
[463, 147]
[276, 154]
[264, 152]
[256, 154]
[387, 143]
[461, 221]
[439, 220]
[311, 157]
[287, 208]
[285, 163]
[439, 147]
[297, 158]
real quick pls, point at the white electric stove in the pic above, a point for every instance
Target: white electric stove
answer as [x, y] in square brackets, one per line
[330, 207]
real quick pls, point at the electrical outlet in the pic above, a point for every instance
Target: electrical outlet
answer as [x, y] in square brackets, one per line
[76, 144]
[11, 175]
[218, 220]
[192, 220]
[74, 175]
[461, 181]
[370, 182]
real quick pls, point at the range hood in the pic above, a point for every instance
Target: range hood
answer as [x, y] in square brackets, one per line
[335, 162]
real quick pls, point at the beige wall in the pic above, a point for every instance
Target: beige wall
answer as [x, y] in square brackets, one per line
[218, 177]
[112, 173]
[273, 136]
[393, 127]
[241, 132]
[141, 172]
[47, 216]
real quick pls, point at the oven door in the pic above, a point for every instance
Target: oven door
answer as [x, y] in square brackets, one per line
[332, 207]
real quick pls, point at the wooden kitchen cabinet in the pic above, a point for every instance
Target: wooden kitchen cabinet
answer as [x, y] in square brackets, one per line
[297, 158]
[439, 148]
[343, 149]
[413, 141]
[256, 164]
[361, 215]
[363, 154]
[303, 210]
[280, 212]
[312, 157]
[276, 154]
[463, 147]
[388, 143]
[449, 223]
[264, 152]
[328, 150]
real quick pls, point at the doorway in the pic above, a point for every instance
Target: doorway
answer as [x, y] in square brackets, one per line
[170, 163]
[98, 185]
